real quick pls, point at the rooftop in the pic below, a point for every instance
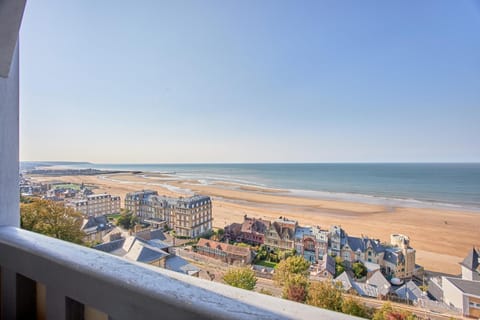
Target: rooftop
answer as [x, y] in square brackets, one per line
[466, 286]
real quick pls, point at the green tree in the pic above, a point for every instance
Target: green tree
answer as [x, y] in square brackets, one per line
[325, 294]
[295, 288]
[356, 308]
[359, 270]
[52, 219]
[387, 312]
[290, 266]
[127, 220]
[241, 278]
[339, 267]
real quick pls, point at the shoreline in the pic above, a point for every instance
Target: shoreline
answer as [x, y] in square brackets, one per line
[243, 185]
[441, 237]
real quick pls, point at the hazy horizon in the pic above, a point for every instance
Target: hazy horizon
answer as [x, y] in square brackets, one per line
[250, 82]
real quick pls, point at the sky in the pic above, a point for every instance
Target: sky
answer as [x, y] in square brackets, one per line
[250, 81]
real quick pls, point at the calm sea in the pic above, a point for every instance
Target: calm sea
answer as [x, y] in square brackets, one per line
[452, 185]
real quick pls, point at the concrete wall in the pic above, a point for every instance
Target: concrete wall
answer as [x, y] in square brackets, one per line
[9, 142]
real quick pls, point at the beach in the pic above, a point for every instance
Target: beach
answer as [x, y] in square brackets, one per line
[441, 237]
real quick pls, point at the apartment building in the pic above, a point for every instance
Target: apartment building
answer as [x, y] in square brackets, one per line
[96, 204]
[189, 217]
[138, 202]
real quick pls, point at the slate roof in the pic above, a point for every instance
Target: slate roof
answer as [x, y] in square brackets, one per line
[143, 252]
[466, 286]
[285, 229]
[409, 291]
[346, 280]
[134, 249]
[472, 260]
[362, 288]
[394, 255]
[301, 231]
[252, 225]
[362, 244]
[101, 223]
[378, 280]
[329, 264]
[110, 246]
[435, 289]
[178, 264]
[366, 290]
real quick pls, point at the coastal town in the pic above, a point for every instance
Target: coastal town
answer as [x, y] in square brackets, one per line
[177, 234]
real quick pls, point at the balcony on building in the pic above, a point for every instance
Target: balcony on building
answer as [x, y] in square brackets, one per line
[46, 278]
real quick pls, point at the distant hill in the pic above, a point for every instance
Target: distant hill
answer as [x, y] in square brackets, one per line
[27, 165]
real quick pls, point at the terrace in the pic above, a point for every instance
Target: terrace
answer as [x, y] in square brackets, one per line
[46, 278]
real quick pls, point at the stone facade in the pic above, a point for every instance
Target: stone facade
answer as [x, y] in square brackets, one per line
[189, 217]
[96, 205]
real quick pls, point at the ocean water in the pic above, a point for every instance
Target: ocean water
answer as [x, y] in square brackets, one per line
[450, 185]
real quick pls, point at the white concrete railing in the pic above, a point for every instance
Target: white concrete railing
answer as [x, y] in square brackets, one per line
[43, 277]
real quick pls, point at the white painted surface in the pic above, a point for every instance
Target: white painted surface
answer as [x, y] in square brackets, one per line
[452, 295]
[9, 145]
[129, 290]
[11, 12]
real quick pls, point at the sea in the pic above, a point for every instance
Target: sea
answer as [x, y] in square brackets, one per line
[438, 185]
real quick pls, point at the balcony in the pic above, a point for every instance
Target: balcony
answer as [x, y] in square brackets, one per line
[46, 278]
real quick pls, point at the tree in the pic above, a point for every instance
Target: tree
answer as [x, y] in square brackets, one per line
[387, 312]
[295, 288]
[127, 220]
[359, 270]
[339, 267]
[356, 308]
[52, 219]
[325, 294]
[241, 278]
[290, 266]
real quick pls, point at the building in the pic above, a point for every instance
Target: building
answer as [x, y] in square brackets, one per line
[95, 228]
[188, 217]
[337, 239]
[409, 292]
[362, 249]
[44, 277]
[96, 204]
[281, 234]
[471, 266]
[225, 252]
[311, 243]
[375, 287]
[463, 293]
[326, 267]
[193, 216]
[252, 231]
[399, 260]
[150, 247]
[137, 202]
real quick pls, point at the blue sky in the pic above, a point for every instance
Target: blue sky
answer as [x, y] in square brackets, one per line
[250, 81]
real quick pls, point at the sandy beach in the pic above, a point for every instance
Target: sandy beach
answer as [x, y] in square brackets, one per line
[441, 237]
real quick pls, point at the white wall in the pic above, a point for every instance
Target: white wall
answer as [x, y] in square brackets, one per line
[452, 295]
[9, 141]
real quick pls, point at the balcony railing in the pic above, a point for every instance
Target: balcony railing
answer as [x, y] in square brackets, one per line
[46, 278]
